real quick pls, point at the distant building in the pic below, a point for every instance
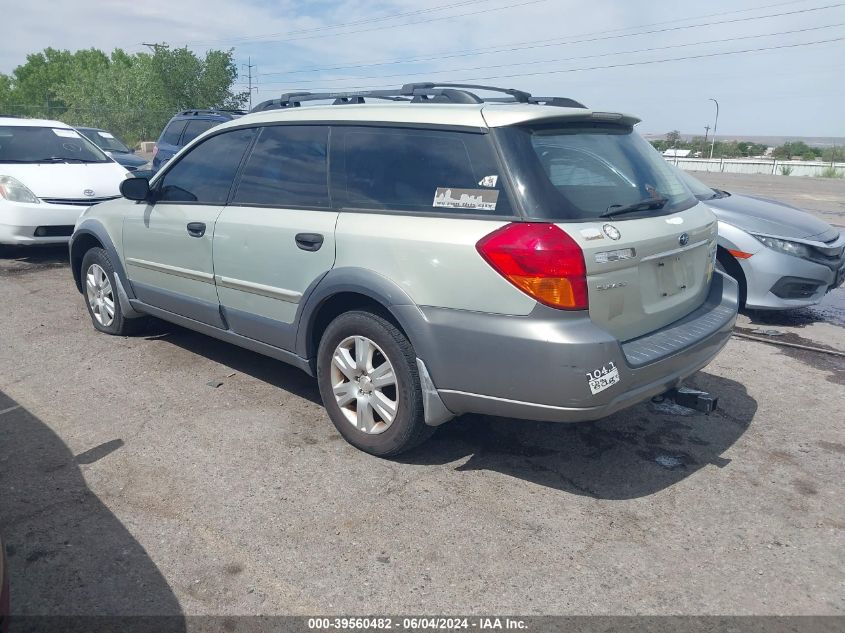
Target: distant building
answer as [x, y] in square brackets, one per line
[677, 153]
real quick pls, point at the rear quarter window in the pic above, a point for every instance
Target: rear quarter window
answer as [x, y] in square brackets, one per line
[172, 132]
[194, 128]
[418, 170]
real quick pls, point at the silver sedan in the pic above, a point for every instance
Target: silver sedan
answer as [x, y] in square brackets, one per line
[781, 256]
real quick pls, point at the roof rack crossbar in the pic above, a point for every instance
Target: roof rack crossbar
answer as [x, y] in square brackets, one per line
[518, 95]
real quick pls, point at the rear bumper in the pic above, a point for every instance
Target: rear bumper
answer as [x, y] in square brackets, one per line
[536, 367]
[19, 221]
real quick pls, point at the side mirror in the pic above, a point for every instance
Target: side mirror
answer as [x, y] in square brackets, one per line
[135, 189]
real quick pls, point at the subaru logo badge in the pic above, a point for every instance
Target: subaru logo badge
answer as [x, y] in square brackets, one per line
[683, 240]
[611, 231]
[89, 193]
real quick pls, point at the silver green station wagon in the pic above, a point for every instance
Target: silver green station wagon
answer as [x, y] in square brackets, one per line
[424, 253]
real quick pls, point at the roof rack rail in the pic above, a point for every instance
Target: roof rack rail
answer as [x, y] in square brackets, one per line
[420, 92]
[198, 111]
[560, 102]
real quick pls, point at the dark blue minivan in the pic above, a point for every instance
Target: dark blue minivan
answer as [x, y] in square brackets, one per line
[184, 128]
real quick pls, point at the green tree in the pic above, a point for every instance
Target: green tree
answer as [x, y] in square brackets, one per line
[673, 138]
[132, 95]
[831, 154]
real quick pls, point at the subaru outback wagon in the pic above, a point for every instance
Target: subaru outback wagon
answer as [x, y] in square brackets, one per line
[424, 253]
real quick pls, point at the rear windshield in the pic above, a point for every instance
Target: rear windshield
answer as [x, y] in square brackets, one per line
[28, 144]
[583, 170]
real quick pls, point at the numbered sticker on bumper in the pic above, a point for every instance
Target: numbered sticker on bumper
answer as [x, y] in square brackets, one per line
[601, 379]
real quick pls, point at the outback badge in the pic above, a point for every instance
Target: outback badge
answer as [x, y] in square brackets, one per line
[611, 231]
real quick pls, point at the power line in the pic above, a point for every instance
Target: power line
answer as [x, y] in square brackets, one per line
[597, 55]
[561, 41]
[339, 25]
[394, 26]
[621, 65]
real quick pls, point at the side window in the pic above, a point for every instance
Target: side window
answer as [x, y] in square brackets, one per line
[194, 128]
[287, 168]
[172, 132]
[205, 174]
[436, 171]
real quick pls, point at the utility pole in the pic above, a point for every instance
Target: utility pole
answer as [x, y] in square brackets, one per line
[249, 65]
[706, 133]
[155, 47]
[715, 126]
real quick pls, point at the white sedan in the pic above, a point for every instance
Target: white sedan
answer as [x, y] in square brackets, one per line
[49, 174]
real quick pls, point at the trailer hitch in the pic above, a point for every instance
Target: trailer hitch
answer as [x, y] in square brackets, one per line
[691, 399]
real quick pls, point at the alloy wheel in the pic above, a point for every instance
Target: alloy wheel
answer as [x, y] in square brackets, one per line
[364, 385]
[100, 295]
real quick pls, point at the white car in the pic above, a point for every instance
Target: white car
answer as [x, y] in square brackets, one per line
[49, 174]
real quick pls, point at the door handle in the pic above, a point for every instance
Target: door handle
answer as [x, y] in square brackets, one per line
[309, 241]
[196, 229]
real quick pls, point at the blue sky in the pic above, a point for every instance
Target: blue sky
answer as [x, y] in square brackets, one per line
[544, 46]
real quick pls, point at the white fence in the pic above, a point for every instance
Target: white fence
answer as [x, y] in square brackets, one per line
[755, 166]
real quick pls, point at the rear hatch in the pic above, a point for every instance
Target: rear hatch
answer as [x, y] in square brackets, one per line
[649, 246]
[658, 271]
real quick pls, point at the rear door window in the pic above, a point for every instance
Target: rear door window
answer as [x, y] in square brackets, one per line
[418, 170]
[172, 132]
[287, 168]
[206, 173]
[194, 128]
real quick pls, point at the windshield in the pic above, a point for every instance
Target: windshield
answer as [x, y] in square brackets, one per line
[105, 140]
[582, 171]
[29, 144]
[698, 188]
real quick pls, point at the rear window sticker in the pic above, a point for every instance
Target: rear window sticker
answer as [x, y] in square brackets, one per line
[65, 133]
[484, 199]
[106, 134]
[600, 379]
[488, 181]
[592, 234]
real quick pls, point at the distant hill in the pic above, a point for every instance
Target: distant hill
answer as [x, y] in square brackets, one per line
[771, 141]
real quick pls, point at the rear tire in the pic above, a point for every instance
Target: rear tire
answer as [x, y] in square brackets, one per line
[100, 292]
[368, 380]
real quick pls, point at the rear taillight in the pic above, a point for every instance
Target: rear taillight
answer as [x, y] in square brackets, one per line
[541, 260]
[155, 150]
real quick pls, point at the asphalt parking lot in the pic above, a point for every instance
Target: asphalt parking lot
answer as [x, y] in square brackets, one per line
[175, 474]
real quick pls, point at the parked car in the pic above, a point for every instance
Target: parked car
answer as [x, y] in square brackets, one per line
[114, 147]
[531, 259]
[49, 173]
[183, 128]
[5, 607]
[781, 256]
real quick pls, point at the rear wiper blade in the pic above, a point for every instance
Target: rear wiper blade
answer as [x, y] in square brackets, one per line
[642, 205]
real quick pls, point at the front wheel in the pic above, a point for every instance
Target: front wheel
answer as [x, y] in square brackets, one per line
[367, 374]
[101, 298]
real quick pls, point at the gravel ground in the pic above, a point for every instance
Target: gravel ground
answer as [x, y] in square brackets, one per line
[130, 485]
